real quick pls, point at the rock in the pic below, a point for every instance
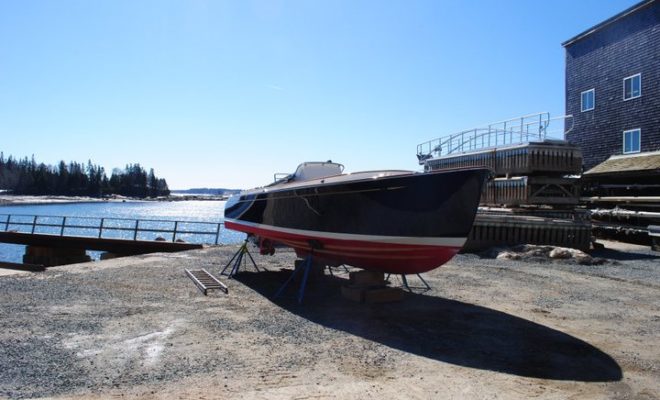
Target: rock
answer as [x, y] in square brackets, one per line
[577, 253]
[538, 251]
[581, 257]
[584, 259]
[560, 253]
[599, 261]
[508, 255]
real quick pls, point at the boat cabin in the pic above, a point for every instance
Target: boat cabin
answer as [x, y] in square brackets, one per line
[316, 170]
[310, 170]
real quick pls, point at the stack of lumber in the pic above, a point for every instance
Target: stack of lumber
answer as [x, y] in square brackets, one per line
[623, 193]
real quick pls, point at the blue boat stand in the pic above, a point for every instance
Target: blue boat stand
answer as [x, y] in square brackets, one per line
[305, 267]
[237, 259]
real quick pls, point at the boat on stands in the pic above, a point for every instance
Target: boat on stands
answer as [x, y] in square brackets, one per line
[400, 222]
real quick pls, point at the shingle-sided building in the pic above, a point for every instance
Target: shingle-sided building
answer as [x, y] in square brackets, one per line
[613, 84]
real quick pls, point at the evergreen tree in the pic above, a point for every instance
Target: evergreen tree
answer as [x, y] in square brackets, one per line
[26, 176]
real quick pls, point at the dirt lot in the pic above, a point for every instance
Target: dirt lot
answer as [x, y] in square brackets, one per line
[489, 329]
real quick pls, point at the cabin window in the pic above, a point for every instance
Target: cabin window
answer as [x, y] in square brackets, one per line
[632, 87]
[588, 100]
[631, 140]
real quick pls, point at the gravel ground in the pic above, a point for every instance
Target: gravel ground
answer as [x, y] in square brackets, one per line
[138, 327]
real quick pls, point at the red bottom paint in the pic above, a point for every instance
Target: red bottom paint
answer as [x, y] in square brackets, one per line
[392, 258]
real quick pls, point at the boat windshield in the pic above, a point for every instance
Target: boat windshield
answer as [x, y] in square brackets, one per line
[308, 171]
[316, 170]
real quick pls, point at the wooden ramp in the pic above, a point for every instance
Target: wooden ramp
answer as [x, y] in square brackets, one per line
[120, 246]
[549, 157]
[22, 267]
[60, 240]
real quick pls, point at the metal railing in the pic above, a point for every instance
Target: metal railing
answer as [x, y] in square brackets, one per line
[510, 132]
[114, 228]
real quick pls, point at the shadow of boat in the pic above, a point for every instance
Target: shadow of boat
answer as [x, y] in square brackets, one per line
[449, 331]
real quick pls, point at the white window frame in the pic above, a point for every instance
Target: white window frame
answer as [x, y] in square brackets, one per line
[593, 105]
[624, 86]
[640, 141]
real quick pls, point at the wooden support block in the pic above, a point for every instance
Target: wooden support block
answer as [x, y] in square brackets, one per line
[51, 256]
[367, 278]
[109, 256]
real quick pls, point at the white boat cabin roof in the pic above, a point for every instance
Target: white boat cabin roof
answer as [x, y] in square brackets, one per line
[319, 172]
[324, 172]
[310, 170]
[317, 169]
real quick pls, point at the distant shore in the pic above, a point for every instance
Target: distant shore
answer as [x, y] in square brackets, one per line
[21, 200]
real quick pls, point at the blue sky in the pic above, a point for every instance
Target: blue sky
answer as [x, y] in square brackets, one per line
[225, 93]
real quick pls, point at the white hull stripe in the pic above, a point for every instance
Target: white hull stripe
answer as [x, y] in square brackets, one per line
[406, 240]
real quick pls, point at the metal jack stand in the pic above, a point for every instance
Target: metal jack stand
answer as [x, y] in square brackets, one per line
[305, 266]
[237, 259]
[404, 280]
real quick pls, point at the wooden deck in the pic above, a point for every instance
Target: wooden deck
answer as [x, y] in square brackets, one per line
[506, 230]
[547, 158]
[532, 190]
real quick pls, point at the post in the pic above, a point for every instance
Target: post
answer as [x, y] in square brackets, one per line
[488, 135]
[7, 222]
[34, 224]
[63, 224]
[522, 121]
[135, 231]
[101, 228]
[176, 224]
[217, 234]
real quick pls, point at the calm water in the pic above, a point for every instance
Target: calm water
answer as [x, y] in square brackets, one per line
[205, 211]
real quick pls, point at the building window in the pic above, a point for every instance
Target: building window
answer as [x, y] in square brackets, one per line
[588, 100]
[631, 140]
[632, 87]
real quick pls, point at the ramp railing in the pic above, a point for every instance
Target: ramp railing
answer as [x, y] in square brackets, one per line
[114, 228]
[510, 132]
